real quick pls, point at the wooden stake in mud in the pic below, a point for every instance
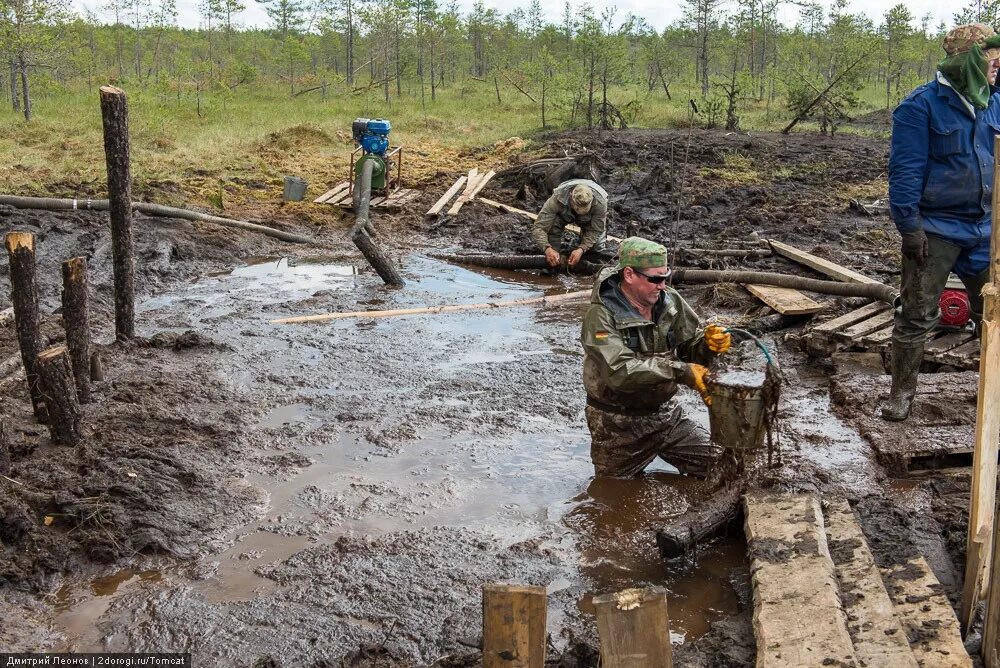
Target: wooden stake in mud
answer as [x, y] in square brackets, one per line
[634, 629]
[513, 626]
[21, 250]
[56, 373]
[96, 368]
[114, 111]
[76, 323]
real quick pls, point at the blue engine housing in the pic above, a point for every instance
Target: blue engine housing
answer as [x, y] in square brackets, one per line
[372, 135]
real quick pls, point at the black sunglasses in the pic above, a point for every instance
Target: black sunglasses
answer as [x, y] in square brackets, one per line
[656, 280]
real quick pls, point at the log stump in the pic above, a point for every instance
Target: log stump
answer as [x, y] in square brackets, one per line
[56, 374]
[24, 295]
[114, 112]
[76, 323]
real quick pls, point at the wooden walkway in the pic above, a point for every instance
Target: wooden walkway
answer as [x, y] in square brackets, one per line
[340, 195]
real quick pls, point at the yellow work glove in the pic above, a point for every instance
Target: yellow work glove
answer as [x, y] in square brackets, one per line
[696, 381]
[717, 339]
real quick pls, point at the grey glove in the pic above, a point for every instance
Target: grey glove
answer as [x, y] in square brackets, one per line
[915, 247]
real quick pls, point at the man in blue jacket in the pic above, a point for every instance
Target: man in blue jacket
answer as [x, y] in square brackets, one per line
[940, 189]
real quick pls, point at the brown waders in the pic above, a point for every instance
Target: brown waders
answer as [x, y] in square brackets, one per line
[921, 292]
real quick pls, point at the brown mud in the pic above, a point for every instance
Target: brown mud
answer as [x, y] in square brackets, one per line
[337, 493]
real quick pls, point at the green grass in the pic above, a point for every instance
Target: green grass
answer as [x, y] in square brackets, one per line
[179, 156]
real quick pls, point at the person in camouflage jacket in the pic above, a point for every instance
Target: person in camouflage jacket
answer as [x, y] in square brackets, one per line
[579, 202]
[641, 340]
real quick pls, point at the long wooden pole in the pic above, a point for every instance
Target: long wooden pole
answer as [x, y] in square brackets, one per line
[76, 322]
[24, 295]
[984, 572]
[114, 112]
[450, 308]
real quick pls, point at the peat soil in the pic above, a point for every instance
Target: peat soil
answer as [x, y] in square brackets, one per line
[336, 493]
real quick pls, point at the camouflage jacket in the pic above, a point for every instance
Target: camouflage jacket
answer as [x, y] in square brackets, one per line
[633, 364]
[557, 214]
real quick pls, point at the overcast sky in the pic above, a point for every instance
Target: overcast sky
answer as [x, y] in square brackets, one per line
[657, 13]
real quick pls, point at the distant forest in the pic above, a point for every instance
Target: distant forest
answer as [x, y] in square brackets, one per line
[720, 53]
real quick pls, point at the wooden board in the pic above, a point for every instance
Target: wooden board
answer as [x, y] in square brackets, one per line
[466, 195]
[445, 198]
[508, 208]
[634, 629]
[946, 342]
[965, 356]
[879, 640]
[926, 615]
[831, 269]
[897, 449]
[786, 301]
[332, 192]
[514, 626]
[798, 617]
[481, 183]
[852, 318]
[879, 338]
[394, 199]
[868, 326]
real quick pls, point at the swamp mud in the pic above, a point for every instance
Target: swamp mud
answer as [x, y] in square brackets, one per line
[337, 493]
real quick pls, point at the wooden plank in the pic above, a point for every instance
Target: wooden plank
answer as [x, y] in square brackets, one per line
[341, 199]
[926, 615]
[965, 356]
[508, 208]
[896, 448]
[868, 326]
[786, 301]
[851, 318]
[466, 195]
[831, 269]
[481, 184]
[375, 201]
[878, 338]
[513, 626]
[337, 189]
[798, 617]
[634, 629]
[879, 640]
[947, 342]
[445, 198]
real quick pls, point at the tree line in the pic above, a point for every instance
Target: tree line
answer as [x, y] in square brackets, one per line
[588, 68]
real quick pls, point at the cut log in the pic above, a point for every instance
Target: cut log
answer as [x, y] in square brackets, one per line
[798, 617]
[24, 295]
[634, 629]
[831, 269]
[926, 615]
[56, 373]
[514, 626]
[879, 640]
[76, 322]
[701, 523]
[786, 301]
[114, 112]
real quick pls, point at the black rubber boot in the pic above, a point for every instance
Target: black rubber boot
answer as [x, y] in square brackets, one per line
[905, 369]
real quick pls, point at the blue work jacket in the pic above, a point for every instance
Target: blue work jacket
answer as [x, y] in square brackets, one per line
[941, 165]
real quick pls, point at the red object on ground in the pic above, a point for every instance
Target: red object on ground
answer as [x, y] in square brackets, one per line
[954, 308]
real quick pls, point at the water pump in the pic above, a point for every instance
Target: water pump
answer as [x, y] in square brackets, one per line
[372, 137]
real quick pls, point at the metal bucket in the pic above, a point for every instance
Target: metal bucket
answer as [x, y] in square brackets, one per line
[295, 189]
[736, 415]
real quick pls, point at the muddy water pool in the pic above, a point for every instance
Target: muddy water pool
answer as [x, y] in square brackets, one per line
[469, 421]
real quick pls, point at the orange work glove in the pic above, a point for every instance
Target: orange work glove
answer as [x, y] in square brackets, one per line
[717, 339]
[696, 381]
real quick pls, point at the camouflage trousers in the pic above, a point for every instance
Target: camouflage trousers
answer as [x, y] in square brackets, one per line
[623, 445]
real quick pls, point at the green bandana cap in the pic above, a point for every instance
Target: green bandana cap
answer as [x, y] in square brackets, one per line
[640, 253]
[966, 64]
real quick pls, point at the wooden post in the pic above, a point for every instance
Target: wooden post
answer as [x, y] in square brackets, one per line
[634, 629]
[114, 111]
[513, 626]
[76, 323]
[21, 250]
[981, 571]
[96, 368]
[56, 374]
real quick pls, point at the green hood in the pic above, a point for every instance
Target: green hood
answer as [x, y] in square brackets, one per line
[966, 72]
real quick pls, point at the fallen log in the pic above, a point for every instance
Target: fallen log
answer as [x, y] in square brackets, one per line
[546, 300]
[56, 204]
[515, 262]
[713, 518]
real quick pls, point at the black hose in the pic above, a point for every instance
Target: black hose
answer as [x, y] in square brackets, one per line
[516, 262]
[360, 232]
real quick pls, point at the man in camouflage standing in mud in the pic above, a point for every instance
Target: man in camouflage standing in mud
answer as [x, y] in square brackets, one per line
[940, 189]
[635, 335]
[579, 202]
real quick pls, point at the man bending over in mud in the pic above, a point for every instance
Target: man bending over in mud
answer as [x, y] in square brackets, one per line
[940, 185]
[579, 202]
[635, 335]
